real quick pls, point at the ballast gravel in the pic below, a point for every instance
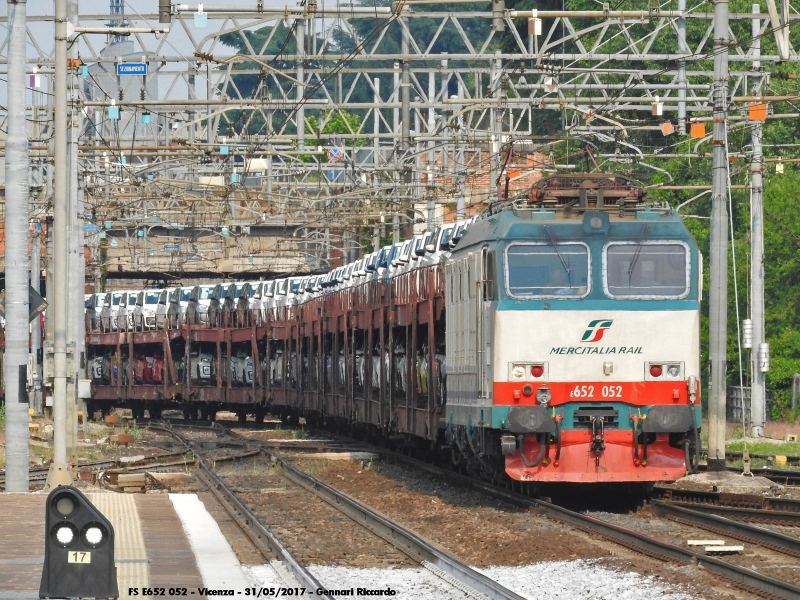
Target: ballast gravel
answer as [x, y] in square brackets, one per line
[579, 579]
[556, 580]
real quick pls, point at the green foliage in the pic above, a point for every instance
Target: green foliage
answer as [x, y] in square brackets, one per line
[137, 432]
[2, 416]
[781, 210]
[786, 449]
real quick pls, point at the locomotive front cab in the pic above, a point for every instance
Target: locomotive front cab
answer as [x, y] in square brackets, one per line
[596, 353]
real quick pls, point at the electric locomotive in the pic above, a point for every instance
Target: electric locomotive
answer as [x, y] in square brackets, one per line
[573, 336]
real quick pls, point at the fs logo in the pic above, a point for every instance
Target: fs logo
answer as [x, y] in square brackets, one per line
[594, 333]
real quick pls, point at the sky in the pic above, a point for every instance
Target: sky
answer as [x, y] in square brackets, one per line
[177, 43]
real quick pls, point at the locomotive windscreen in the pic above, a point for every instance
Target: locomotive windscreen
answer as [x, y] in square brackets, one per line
[659, 269]
[547, 271]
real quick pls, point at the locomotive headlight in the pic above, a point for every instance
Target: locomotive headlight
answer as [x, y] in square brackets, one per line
[673, 371]
[543, 395]
[518, 371]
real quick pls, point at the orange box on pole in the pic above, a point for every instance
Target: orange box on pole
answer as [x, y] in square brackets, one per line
[698, 130]
[758, 111]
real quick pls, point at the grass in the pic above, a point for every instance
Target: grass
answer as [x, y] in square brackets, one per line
[786, 449]
[299, 434]
[2, 416]
[136, 431]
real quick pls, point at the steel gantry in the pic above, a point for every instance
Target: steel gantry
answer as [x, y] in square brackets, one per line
[210, 140]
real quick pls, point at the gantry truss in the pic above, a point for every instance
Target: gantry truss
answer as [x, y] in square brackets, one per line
[268, 139]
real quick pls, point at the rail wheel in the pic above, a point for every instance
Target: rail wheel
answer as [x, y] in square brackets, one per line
[138, 411]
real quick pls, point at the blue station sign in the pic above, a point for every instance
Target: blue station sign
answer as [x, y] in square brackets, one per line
[132, 69]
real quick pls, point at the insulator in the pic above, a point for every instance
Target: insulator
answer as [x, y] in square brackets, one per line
[121, 94]
[763, 358]
[141, 94]
[747, 333]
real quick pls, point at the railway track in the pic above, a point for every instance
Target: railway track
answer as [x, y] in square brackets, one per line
[259, 534]
[779, 542]
[39, 474]
[781, 476]
[463, 578]
[743, 507]
[747, 579]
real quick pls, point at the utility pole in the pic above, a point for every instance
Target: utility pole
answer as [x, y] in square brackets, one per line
[300, 39]
[405, 123]
[74, 285]
[431, 154]
[683, 50]
[15, 365]
[718, 294]
[757, 387]
[35, 393]
[59, 470]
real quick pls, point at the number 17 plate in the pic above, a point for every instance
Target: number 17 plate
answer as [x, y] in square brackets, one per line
[79, 557]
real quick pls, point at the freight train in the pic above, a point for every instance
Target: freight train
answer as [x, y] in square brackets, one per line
[555, 338]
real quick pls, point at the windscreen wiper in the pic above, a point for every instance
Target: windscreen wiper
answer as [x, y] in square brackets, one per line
[637, 253]
[560, 257]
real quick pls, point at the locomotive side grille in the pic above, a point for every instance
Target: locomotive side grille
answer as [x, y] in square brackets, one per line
[582, 417]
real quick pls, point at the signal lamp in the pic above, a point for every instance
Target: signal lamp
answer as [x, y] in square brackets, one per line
[78, 549]
[537, 370]
[655, 370]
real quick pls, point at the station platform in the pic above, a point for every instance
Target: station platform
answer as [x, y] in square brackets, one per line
[161, 541]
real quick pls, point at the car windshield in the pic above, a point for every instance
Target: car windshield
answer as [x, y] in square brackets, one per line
[151, 297]
[98, 299]
[547, 271]
[115, 298]
[205, 292]
[446, 233]
[649, 269]
[186, 294]
[238, 291]
[294, 285]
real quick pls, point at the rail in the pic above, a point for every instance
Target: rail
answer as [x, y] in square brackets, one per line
[748, 579]
[753, 581]
[392, 532]
[774, 540]
[259, 534]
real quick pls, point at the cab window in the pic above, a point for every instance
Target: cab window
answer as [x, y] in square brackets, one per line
[539, 270]
[652, 269]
